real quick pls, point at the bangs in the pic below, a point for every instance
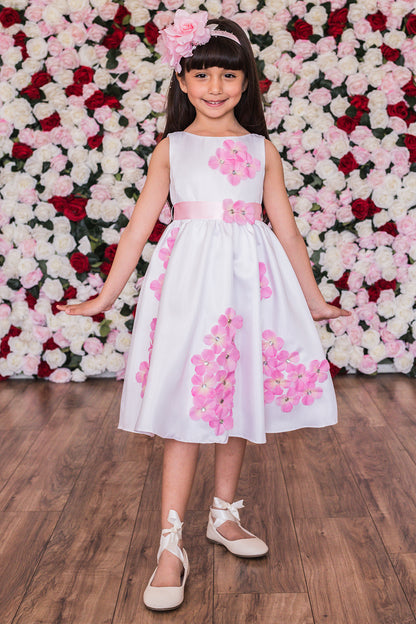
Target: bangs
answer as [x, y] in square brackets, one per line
[218, 52]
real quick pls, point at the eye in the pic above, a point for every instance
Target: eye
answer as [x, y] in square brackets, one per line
[200, 75]
[230, 75]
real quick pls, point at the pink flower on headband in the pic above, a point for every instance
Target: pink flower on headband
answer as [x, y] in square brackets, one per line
[180, 39]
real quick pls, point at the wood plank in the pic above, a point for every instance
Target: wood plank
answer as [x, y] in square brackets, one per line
[405, 568]
[44, 478]
[33, 407]
[318, 479]
[9, 389]
[141, 561]
[23, 538]
[262, 608]
[355, 406]
[14, 444]
[267, 514]
[386, 476]
[349, 575]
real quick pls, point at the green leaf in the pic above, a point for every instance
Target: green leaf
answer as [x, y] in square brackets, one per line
[105, 328]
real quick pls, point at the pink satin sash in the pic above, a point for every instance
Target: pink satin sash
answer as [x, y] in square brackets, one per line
[205, 210]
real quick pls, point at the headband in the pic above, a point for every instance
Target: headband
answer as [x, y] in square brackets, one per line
[187, 31]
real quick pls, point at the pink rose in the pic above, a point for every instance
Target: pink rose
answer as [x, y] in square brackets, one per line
[362, 29]
[357, 84]
[6, 42]
[60, 375]
[355, 334]
[395, 348]
[102, 114]
[335, 75]
[5, 128]
[397, 124]
[367, 312]
[60, 339]
[151, 4]
[27, 247]
[320, 96]
[130, 160]
[41, 333]
[108, 11]
[344, 214]
[367, 365]
[163, 19]
[96, 32]
[31, 279]
[112, 336]
[229, 8]
[173, 5]
[5, 311]
[157, 101]
[325, 45]
[298, 8]
[322, 152]
[300, 88]
[303, 50]
[361, 155]
[100, 192]
[259, 23]
[306, 164]
[346, 48]
[407, 225]
[63, 186]
[338, 326]
[362, 294]
[30, 364]
[93, 346]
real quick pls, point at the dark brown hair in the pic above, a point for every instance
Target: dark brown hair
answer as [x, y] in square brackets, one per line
[220, 52]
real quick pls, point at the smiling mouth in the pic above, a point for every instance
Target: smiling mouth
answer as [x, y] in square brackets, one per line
[214, 103]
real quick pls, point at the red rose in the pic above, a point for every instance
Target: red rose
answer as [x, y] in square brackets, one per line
[83, 75]
[58, 203]
[359, 209]
[122, 12]
[347, 163]
[390, 54]
[302, 30]
[336, 302]
[31, 92]
[389, 227]
[73, 89]
[113, 40]
[21, 151]
[9, 17]
[20, 38]
[105, 267]
[360, 102]
[112, 102]
[410, 141]
[44, 370]
[387, 285]
[41, 78]
[48, 123]
[110, 252]
[342, 282]
[151, 32]
[264, 85]
[348, 124]
[4, 347]
[96, 100]
[409, 88]
[74, 209]
[50, 345]
[31, 300]
[157, 232]
[79, 262]
[377, 21]
[398, 110]
[14, 331]
[334, 370]
[337, 21]
[410, 25]
[95, 141]
[372, 208]
[374, 292]
[69, 293]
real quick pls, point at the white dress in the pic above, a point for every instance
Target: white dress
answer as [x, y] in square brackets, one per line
[223, 342]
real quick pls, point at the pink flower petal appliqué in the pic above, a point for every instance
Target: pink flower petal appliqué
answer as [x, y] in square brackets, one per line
[141, 375]
[265, 290]
[233, 160]
[213, 384]
[287, 381]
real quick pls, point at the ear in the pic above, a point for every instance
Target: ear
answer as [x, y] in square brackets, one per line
[245, 84]
[182, 82]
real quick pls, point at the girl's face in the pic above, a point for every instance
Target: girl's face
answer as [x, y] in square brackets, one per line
[214, 92]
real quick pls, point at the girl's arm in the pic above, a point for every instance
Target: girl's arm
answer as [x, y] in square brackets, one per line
[134, 237]
[284, 226]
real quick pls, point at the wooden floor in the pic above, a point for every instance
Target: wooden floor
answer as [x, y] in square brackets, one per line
[79, 519]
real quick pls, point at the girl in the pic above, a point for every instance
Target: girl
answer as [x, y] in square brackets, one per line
[224, 347]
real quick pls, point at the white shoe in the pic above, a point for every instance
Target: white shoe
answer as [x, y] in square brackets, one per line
[245, 547]
[167, 598]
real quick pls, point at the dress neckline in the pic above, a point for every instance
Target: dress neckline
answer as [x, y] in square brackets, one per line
[204, 136]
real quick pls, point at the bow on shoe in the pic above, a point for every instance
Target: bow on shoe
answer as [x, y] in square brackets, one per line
[169, 538]
[231, 507]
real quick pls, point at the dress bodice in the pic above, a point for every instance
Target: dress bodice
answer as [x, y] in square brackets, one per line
[205, 168]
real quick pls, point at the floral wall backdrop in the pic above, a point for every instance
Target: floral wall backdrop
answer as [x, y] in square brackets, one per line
[83, 90]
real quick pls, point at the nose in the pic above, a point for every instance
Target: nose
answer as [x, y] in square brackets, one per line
[215, 85]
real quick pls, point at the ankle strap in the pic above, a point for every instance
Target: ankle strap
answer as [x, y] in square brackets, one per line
[226, 511]
[169, 538]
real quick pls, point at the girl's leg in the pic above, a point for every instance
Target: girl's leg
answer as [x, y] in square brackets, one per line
[228, 461]
[179, 465]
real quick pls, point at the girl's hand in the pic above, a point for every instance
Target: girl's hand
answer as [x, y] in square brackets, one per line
[87, 308]
[328, 312]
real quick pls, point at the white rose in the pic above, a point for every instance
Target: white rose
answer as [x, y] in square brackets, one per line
[111, 145]
[19, 113]
[64, 243]
[139, 15]
[213, 7]
[309, 71]
[303, 226]
[7, 93]
[61, 225]
[115, 362]
[77, 342]
[317, 16]
[375, 76]
[327, 338]
[339, 356]
[44, 211]
[55, 358]
[248, 5]
[404, 363]
[27, 265]
[339, 148]
[332, 262]
[348, 300]
[311, 139]
[378, 352]
[370, 338]
[78, 376]
[123, 341]
[357, 12]
[327, 61]
[17, 345]
[93, 364]
[269, 55]
[374, 39]
[110, 210]
[394, 38]
[313, 240]
[293, 179]
[355, 356]
[52, 288]
[110, 236]
[14, 362]
[80, 174]
[141, 110]
[147, 252]
[397, 327]
[78, 5]
[37, 48]
[386, 309]
[58, 266]
[326, 168]
[283, 40]
[11, 264]
[382, 197]
[110, 164]
[52, 14]
[302, 205]
[360, 188]
[329, 291]
[111, 124]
